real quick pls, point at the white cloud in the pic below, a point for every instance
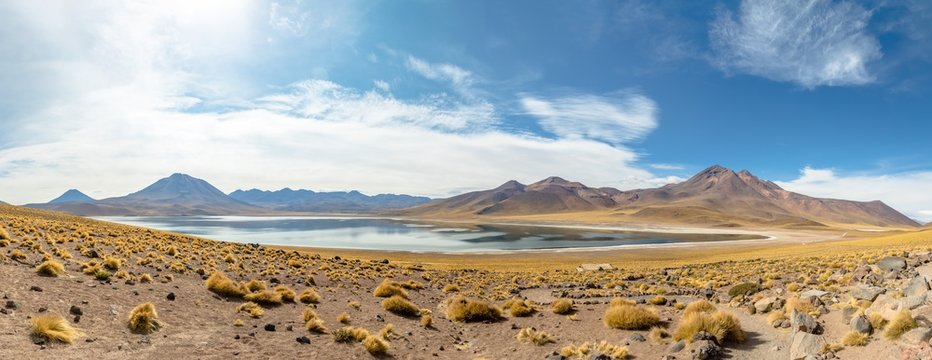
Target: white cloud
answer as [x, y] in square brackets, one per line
[382, 85]
[613, 119]
[910, 193]
[808, 42]
[457, 76]
[666, 166]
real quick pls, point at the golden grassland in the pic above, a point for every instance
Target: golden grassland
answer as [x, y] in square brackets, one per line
[475, 289]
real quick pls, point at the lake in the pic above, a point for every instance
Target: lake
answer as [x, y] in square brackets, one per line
[391, 234]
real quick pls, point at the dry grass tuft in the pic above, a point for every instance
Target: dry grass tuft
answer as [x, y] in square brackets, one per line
[584, 350]
[264, 297]
[309, 296]
[54, 328]
[221, 285]
[657, 335]
[375, 345]
[533, 336]
[723, 326]
[144, 319]
[389, 288]
[519, 308]
[699, 306]
[630, 317]
[855, 338]
[877, 321]
[350, 334]
[285, 292]
[901, 323]
[51, 268]
[254, 310]
[465, 310]
[343, 318]
[562, 306]
[400, 306]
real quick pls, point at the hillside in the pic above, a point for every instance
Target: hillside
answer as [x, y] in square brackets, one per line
[310, 201]
[72, 196]
[178, 194]
[716, 196]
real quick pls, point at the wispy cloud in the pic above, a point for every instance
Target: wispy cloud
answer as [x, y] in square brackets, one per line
[614, 119]
[668, 167]
[457, 76]
[808, 42]
[909, 192]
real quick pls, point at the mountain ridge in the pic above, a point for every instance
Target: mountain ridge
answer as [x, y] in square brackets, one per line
[299, 200]
[716, 195]
[72, 195]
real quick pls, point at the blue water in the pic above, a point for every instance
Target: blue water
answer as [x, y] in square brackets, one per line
[389, 234]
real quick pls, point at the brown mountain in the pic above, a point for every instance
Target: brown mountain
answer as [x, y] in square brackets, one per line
[715, 196]
[178, 194]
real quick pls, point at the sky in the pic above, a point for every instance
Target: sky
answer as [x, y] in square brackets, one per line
[828, 98]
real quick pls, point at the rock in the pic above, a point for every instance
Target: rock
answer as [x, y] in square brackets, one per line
[868, 293]
[912, 302]
[303, 340]
[74, 310]
[269, 327]
[884, 305]
[861, 324]
[10, 304]
[705, 350]
[917, 286]
[668, 357]
[805, 344]
[765, 304]
[35, 288]
[805, 323]
[677, 346]
[637, 338]
[171, 296]
[555, 356]
[847, 313]
[600, 357]
[812, 293]
[892, 263]
[114, 309]
[916, 336]
[289, 328]
[925, 271]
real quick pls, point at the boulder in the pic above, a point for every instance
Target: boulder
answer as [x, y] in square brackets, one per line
[805, 323]
[916, 336]
[812, 293]
[805, 344]
[917, 286]
[912, 302]
[868, 293]
[705, 350]
[925, 271]
[885, 305]
[861, 324]
[891, 263]
[765, 304]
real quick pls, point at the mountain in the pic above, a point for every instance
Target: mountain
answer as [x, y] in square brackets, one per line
[178, 194]
[716, 196]
[310, 201]
[72, 196]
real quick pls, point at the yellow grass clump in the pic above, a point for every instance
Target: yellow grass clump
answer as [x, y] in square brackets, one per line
[855, 338]
[519, 308]
[221, 285]
[400, 306]
[143, 319]
[630, 317]
[657, 335]
[54, 328]
[51, 268]
[350, 334]
[264, 297]
[389, 288]
[461, 309]
[562, 306]
[583, 350]
[309, 296]
[254, 285]
[723, 326]
[375, 345]
[343, 318]
[286, 293]
[534, 336]
[254, 310]
[901, 323]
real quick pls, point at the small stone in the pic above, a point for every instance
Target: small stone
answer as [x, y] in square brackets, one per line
[171, 296]
[705, 350]
[289, 327]
[805, 323]
[303, 340]
[600, 357]
[637, 338]
[35, 288]
[861, 324]
[10, 304]
[43, 309]
[74, 310]
[269, 327]
[677, 346]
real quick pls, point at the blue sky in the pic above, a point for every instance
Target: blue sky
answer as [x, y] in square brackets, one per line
[829, 98]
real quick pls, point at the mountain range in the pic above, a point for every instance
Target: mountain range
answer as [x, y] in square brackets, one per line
[181, 194]
[716, 196]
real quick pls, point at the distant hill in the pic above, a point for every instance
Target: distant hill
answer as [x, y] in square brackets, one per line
[310, 201]
[715, 196]
[178, 194]
[72, 196]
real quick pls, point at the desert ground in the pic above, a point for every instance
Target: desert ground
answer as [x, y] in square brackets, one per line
[79, 288]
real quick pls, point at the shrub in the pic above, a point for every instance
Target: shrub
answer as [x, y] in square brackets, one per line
[699, 306]
[658, 300]
[630, 317]
[309, 296]
[221, 285]
[621, 301]
[745, 289]
[375, 345]
[562, 306]
[309, 314]
[401, 306]
[254, 310]
[4, 243]
[657, 335]
[254, 285]
[387, 332]
[238, 323]
[519, 308]
[389, 288]
[349, 334]
[54, 328]
[901, 323]
[343, 318]
[583, 351]
[533, 336]
[855, 338]
[112, 263]
[315, 326]
[286, 293]
[464, 310]
[144, 319]
[264, 297]
[4, 235]
[145, 278]
[723, 326]
[51, 268]
[877, 321]
[795, 303]
[774, 317]
[448, 288]
[426, 320]
[102, 275]
[15, 254]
